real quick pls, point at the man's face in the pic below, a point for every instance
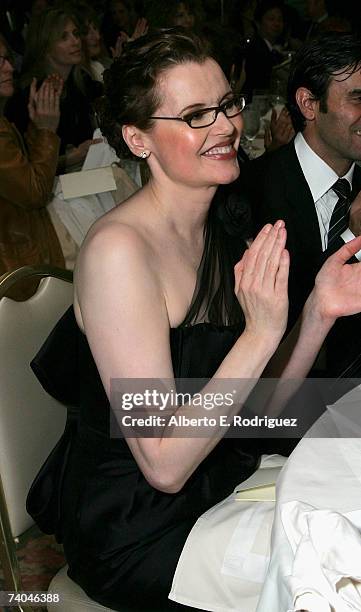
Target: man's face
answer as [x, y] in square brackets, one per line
[315, 8]
[335, 135]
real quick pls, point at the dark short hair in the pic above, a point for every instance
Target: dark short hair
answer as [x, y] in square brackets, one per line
[267, 5]
[131, 95]
[316, 63]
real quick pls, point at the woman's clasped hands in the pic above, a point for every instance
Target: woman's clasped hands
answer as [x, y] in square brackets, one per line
[44, 103]
[261, 279]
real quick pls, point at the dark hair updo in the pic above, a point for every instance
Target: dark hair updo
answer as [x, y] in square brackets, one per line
[131, 95]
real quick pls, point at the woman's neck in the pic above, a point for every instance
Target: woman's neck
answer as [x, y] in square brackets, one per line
[185, 209]
[63, 71]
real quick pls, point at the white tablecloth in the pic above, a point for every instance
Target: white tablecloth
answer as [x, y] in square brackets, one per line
[224, 561]
[228, 563]
[320, 485]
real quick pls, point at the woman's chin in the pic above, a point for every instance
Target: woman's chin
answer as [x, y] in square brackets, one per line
[229, 176]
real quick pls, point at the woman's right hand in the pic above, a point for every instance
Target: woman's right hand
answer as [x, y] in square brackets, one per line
[44, 106]
[261, 283]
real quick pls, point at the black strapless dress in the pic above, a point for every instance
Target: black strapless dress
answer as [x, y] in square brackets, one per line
[122, 538]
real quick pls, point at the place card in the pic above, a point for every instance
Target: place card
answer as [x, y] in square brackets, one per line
[87, 182]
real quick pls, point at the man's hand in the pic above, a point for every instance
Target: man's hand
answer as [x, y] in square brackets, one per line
[337, 291]
[280, 131]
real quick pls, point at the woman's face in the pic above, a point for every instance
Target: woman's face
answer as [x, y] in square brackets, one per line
[66, 51]
[6, 74]
[271, 24]
[183, 17]
[195, 157]
[120, 15]
[92, 40]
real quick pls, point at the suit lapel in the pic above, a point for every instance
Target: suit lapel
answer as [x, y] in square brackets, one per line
[301, 203]
[356, 182]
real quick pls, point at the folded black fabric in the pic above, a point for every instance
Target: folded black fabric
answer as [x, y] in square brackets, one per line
[56, 364]
[57, 369]
[43, 502]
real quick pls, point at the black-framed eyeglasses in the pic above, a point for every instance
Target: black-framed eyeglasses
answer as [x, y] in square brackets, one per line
[3, 59]
[205, 117]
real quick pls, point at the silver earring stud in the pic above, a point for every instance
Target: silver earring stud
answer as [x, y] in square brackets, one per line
[144, 155]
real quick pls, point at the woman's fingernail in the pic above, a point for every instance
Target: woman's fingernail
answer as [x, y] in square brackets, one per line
[279, 224]
[267, 228]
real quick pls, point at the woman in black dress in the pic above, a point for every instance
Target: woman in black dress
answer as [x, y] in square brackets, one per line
[157, 297]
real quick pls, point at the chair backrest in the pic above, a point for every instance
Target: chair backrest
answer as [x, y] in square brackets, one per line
[31, 421]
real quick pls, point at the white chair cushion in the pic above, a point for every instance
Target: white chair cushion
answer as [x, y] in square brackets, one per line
[31, 421]
[72, 597]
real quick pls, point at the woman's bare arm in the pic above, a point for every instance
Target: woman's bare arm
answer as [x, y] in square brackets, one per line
[124, 313]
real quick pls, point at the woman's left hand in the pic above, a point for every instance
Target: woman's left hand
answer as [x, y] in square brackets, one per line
[44, 104]
[117, 50]
[141, 28]
[337, 291]
[261, 279]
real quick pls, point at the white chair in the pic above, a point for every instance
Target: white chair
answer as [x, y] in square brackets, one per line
[31, 422]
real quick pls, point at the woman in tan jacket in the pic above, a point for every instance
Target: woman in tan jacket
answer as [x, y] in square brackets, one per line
[27, 171]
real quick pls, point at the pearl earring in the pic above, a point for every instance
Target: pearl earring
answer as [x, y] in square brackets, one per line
[145, 154]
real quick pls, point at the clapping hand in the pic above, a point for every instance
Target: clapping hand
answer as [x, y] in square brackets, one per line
[141, 28]
[261, 280]
[337, 291]
[44, 107]
[118, 49]
[280, 131]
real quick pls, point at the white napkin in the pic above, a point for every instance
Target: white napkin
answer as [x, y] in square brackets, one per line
[99, 155]
[79, 213]
[326, 572]
[225, 557]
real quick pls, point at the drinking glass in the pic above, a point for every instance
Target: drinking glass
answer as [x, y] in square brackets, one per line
[261, 99]
[251, 125]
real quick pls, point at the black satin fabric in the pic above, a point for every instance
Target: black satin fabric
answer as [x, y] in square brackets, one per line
[122, 538]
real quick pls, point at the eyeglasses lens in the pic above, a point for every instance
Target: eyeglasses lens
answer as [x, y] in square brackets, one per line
[231, 108]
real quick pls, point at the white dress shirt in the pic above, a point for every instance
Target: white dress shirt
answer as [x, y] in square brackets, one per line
[320, 178]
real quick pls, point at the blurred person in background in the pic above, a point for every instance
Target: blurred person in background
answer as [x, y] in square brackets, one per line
[27, 171]
[54, 46]
[119, 16]
[95, 55]
[263, 52]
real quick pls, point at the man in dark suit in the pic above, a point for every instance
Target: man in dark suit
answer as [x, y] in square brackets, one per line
[262, 54]
[296, 183]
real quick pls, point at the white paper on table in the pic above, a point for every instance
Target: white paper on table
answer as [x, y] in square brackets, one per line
[99, 155]
[87, 182]
[79, 214]
[263, 477]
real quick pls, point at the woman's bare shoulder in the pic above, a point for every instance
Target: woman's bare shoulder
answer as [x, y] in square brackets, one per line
[116, 235]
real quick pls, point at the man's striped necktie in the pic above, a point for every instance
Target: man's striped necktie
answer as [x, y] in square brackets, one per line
[340, 216]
